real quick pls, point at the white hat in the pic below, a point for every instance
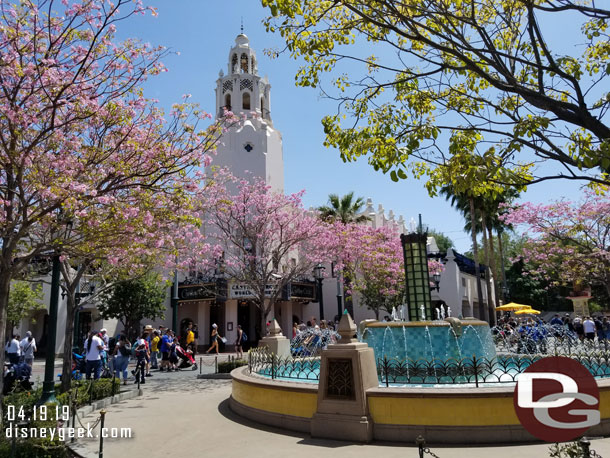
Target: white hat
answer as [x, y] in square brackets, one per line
[103, 330]
[214, 325]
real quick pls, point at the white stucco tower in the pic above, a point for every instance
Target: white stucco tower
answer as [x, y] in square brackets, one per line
[254, 146]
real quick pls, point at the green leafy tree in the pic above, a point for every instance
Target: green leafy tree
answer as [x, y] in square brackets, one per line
[132, 300]
[24, 299]
[421, 83]
[443, 242]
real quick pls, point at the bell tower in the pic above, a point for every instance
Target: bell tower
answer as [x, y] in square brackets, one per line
[254, 146]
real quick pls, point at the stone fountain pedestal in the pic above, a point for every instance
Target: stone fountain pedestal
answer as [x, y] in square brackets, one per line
[347, 371]
[275, 341]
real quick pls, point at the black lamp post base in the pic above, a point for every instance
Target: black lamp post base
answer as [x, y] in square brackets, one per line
[48, 393]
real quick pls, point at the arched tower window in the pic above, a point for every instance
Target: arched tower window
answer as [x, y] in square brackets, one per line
[234, 63]
[253, 65]
[228, 102]
[246, 101]
[244, 63]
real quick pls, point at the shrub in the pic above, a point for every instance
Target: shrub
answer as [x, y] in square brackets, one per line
[45, 447]
[227, 366]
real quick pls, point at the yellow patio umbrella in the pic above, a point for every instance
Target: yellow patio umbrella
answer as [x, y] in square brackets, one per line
[512, 306]
[527, 311]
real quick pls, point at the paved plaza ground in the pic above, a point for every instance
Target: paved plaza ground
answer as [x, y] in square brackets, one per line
[180, 415]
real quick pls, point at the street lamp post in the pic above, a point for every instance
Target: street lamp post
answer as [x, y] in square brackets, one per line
[339, 292]
[175, 302]
[317, 273]
[48, 386]
[436, 277]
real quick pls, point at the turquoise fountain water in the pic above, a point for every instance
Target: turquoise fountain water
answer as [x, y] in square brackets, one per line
[439, 340]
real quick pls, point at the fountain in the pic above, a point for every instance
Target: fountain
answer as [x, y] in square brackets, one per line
[417, 340]
[424, 373]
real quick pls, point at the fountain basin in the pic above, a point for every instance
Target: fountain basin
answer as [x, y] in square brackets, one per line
[443, 415]
[429, 340]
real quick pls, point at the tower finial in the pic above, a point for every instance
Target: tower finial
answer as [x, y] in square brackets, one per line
[242, 24]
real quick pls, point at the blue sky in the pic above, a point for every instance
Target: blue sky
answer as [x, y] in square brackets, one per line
[203, 31]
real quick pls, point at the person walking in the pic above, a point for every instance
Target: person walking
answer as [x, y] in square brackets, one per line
[240, 340]
[214, 339]
[154, 350]
[173, 357]
[165, 348]
[190, 338]
[141, 355]
[12, 348]
[121, 353]
[94, 347]
[589, 328]
[196, 342]
[27, 348]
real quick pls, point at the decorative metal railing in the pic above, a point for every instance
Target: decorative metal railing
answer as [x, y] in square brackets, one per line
[261, 361]
[474, 370]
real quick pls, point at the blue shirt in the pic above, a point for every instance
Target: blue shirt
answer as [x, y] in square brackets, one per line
[164, 344]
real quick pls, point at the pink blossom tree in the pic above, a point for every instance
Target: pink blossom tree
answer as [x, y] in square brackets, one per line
[567, 242]
[80, 142]
[373, 264]
[266, 239]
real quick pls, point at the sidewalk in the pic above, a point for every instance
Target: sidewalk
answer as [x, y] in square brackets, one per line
[198, 422]
[208, 365]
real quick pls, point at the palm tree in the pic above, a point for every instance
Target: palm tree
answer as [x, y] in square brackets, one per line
[485, 221]
[343, 209]
[467, 206]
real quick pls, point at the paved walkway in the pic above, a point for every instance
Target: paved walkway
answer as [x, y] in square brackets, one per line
[207, 366]
[180, 415]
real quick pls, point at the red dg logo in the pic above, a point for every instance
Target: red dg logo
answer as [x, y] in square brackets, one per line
[557, 399]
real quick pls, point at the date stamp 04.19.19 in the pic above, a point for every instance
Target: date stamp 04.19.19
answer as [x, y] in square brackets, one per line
[51, 421]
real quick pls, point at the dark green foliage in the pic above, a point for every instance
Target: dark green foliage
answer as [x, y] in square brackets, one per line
[45, 447]
[132, 300]
[227, 366]
[443, 242]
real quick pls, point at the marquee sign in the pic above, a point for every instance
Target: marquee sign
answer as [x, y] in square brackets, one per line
[241, 291]
[200, 292]
[303, 291]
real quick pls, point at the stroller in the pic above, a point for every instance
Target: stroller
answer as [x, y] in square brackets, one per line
[186, 358]
[16, 376]
[79, 366]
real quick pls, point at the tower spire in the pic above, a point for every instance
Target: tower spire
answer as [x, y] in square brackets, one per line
[242, 24]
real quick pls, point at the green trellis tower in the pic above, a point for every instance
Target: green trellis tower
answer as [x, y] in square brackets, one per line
[417, 278]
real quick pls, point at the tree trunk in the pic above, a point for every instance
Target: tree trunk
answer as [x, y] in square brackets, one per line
[475, 254]
[490, 303]
[501, 248]
[5, 286]
[494, 265]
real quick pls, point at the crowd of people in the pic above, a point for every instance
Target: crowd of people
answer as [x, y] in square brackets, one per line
[577, 328]
[19, 350]
[153, 349]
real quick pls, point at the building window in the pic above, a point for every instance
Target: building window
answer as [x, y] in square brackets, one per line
[253, 65]
[245, 84]
[234, 63]
[228, 102]
[248, 147]
[244, 63]
[246, 101]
